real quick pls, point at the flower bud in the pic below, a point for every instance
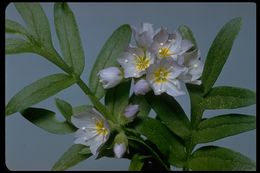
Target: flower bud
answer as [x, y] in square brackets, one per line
[141, 87]
[131, 111]
[110, 77]
[119, 150]
[120, 144]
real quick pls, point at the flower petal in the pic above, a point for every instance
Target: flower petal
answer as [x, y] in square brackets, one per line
[85, 119]
[162, 36]
[173, 88]
[185, 46]
[96, 143]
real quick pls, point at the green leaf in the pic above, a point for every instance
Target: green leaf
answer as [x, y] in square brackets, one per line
[136, 163]
[144, 106]
[110, 52]
[187, 34]
[168, 144]
[16, 45]
[223, 126]
[38, 91]
[117, 98]
[81, 108]
[37, 22]
[85, 151]
[45, 119]
[65, 108]
[14, 27]
[135, 142]
[225, 97]
[170, 112]
[69, 37]
[219, 52]
[212, 158]
[70, 158]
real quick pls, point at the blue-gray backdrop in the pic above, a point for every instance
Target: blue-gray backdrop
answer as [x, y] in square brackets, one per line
[30, 148]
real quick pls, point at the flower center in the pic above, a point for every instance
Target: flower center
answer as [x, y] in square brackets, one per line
[142, 63]
[161, 75]
[164, 52]
[100, 128]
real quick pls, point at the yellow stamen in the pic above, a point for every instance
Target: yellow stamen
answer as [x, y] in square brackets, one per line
[100, 128]
[142, 63]
[161, 75]
[164, 52]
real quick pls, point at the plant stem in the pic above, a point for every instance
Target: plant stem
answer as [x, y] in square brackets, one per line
[94, 100]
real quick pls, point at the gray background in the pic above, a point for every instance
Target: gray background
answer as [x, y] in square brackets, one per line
[30, 148]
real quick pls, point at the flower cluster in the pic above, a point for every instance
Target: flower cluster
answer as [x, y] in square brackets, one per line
[161, 61]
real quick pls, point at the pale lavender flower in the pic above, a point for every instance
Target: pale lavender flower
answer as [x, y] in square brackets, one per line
[163, 77]
[195, 66]
[93, 129]
[169, 44]
[110, 77]
[141, 87]
[135, 61]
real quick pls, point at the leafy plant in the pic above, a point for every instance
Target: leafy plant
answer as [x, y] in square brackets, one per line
[153, 143]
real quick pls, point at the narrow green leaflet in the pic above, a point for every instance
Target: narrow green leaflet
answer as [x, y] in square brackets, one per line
[117, 98]
[187, 34]
[45, 119]
[65, 108]
[37, 22]
[38, 91]
[85, 151]
[223, 126]
[170, 112]
[81, 108]
[219, 52]
[69, 37]
[144, 106]
[14, 27]
[136, 163]
[225, 97]
[110, 52]
[17, 45]
[168, 144]
[70, 158]
[213, 158]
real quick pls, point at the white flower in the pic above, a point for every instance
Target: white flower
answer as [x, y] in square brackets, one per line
[195, 66]
[110, 77]
[131, 111]
[93, 129]
[119, 150]
[142, 87]
[143, 35]
[162, 77]
[135, 61]
[169, 44]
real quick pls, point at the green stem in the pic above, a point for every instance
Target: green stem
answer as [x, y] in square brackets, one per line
[55, 58]
[94, 100]
[195, 120]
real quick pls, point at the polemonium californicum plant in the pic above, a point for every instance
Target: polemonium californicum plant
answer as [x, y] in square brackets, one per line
[125, 84]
